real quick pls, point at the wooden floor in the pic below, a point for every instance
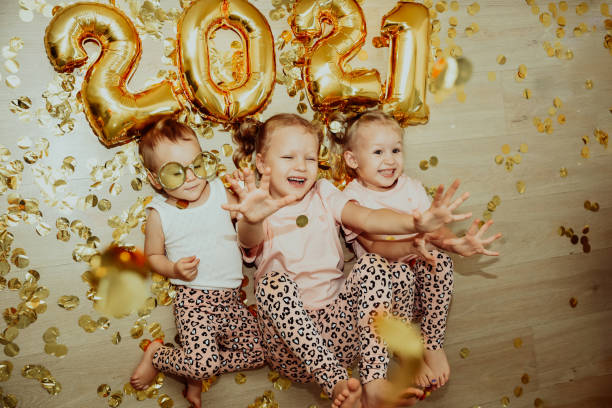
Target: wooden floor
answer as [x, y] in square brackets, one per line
[525, 293]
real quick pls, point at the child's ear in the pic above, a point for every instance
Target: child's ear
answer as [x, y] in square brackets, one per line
[259, 163]
[153, 180]
[349, 159]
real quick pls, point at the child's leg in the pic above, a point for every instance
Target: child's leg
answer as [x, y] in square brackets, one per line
[240, 340]
[293, 343]
[198, 356]
[434, 286]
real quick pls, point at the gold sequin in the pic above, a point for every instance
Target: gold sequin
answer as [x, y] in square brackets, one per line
[301, 221]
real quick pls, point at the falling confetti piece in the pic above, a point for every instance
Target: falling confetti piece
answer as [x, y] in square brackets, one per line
[464, 352]
[525, 378]
[505, 401]
[240, 378]
[563, 172]
[501, 59]
[518, 342]
[538, 403]
[520, 187]
[491, 76]
[588, 84]
[573, 302]
[518, 391]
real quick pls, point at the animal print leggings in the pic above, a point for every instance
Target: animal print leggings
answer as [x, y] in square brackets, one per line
[306, 345]
[217, 335]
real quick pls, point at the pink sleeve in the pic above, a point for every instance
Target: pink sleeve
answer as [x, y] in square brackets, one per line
[333, 199]
[421, 198]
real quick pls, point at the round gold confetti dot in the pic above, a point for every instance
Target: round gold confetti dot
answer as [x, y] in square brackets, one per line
[584, 152]
[561, 119]
[505, 149]
[423, 164]
[518, 342]
[587, 205]
[104, 390]
[452, 21]
[491, 76]
[501, 59]
[538, 403]
[115, 400]
[563, 172]
[499, 159]
[164, 401]
[433, 161]
[104, 205]
[552, 111]
[464, 352]
[520, 187]
[525, 378]
[573, 302]
[574, 239]
[240, 378]
[11, 349]
[545, 19]
[473, 8]
[582, 8]
[518, 391]
[588, 84]
[505, 401]
[301, 221]
[585, 229]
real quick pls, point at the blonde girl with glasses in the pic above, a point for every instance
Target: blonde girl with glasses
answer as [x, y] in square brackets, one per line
[190, 239]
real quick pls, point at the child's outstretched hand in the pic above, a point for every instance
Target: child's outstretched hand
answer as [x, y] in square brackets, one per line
[473, 242]
[441, 210]
[186, 268]
[256, 203]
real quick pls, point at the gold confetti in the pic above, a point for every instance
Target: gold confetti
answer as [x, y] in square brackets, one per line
[505, 149]
[433, 161]
[588, 84]
[6, 367]
[164, 401]
[523, 148]
[538, 403]
[441, 6]
[505, 401]
[104, 390]
[518, 342]
[499, 159]
[584, 152]
[464, 352]
[525, 378]
[104, 205]
[473, 9]
[240, 378]
[605, 10]
[561, 119]
[461, 96]
[301, 108]
[545, 19]
[563, 172]
[520, 187]
[501, 59]
[518, 391]
[282, 384]
[423, 164]
[301, 221]
[527, 93]
[116, 339]
[582, 8]
[573, 302]
[491, 76]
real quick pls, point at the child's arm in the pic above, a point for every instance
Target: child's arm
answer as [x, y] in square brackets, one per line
[185, 268]
[384, 221]
[396, 250]
[470, 244]
[255, 204]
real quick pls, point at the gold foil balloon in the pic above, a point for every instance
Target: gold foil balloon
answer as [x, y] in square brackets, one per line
[330, 84]
[196, 27]
[407, 29]
[119, 281]
[114, 114]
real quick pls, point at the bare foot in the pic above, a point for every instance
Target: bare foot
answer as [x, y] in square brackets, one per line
[438, 364]
[144, 373]
[424, 376]
[193, 393]
[380, 393]
[347, 394]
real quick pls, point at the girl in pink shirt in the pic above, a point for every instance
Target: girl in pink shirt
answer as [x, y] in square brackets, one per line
[315, 321]
[373, 153]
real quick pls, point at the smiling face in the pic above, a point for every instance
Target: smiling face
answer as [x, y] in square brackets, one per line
[291, 152]
[182, 151]
[376, 155]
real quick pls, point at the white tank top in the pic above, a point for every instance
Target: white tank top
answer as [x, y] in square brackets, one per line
[207, 232]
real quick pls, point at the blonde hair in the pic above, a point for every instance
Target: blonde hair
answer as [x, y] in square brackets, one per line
[166, 129]
[251, 135]
[345, 136]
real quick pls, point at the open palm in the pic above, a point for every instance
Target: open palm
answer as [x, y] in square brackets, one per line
[255, 203]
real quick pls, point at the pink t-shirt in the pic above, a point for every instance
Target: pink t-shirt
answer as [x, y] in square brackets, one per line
[312, 255]
[407, 195]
